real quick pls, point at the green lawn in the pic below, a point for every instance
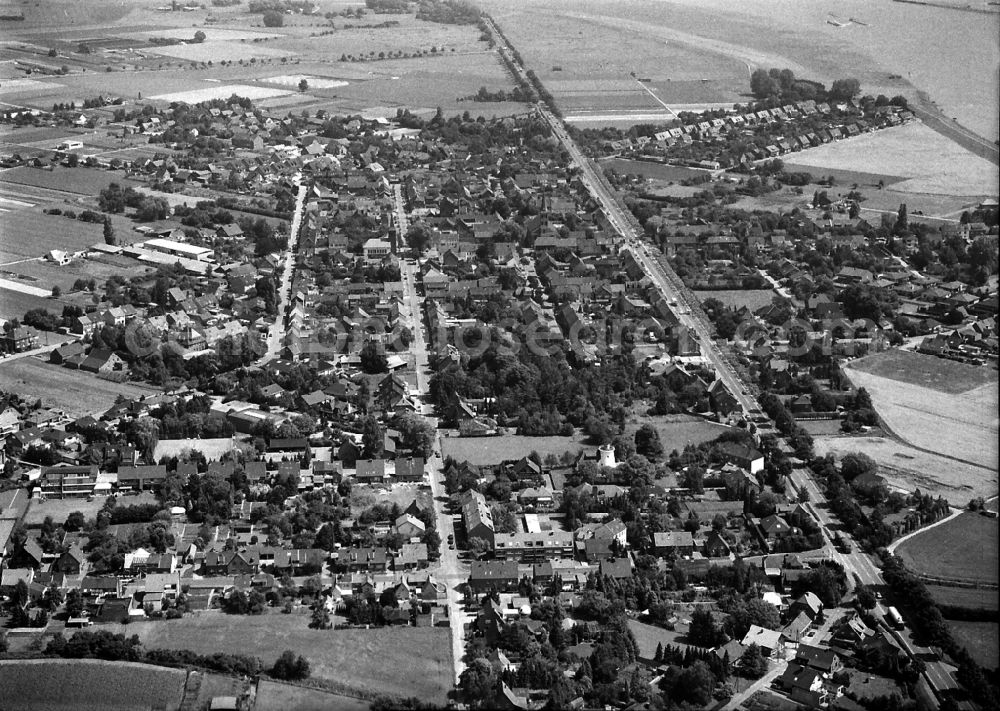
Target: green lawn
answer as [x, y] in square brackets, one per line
[963, 548]
[648, 636]
[401, 661]
[972, 598]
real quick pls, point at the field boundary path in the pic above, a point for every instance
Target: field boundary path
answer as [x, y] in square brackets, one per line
[276, 335]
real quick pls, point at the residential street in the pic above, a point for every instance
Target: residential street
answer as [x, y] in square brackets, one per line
[449, 570]
[276, 336]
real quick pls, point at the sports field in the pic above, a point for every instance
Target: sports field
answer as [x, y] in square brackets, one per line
[964, 548]
[933, 403]
[401, 661]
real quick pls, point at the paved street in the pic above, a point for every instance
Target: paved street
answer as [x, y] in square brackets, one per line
[276, 336]
[449, 570]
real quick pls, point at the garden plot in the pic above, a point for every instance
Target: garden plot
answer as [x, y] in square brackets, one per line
[223, 91]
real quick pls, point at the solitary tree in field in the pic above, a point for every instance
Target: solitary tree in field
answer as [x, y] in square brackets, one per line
[109, 232]
[303, 85]
[56, 291]
[199, 37]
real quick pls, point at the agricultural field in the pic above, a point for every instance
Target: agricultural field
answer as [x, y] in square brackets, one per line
[47, 685]
[981, 639]
[273, 696]
[354, 659]
[490, 450]
[940, 374]
[213, 449]
[934, 403]
[14, 304]
[79, 181]
[930, 162]
[964, 548]
[75, 392]
[907, 468]
[31, 233]
[971, 598]
[46, 274]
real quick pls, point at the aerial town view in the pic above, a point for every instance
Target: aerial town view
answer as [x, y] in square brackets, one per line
[499, 354]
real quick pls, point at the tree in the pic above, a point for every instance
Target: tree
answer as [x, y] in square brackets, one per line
[290, 667]
[845, 89]
[320, 619]
[372, 438]
[56, 291]
[74, 522]
[866, 598]
[855, 464]
[902, 223]
[418, 236]
[703, 632]
[763, 85]
[303, 84]
[109, 232]
[274, 19]
[753, 663]
[647, 442]
[199, 37]
[373, 358]
[74, 603]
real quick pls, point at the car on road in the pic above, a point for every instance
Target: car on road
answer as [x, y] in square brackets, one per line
[451, 546]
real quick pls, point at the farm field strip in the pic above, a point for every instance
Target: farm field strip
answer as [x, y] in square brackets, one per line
[87, 683]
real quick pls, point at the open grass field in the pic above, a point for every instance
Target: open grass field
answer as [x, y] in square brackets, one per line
[59, 509]
[48, 685]
[934, 403]
[677, 431]
[981, 639]
[31, 233]
[753, 299]
[76, 392]
[907, 468]
[654, 171]
[404, 661]
[14, 304]
[648, 636]
[964, 548]
[930, 162]
[273, 696]
[493, 450]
